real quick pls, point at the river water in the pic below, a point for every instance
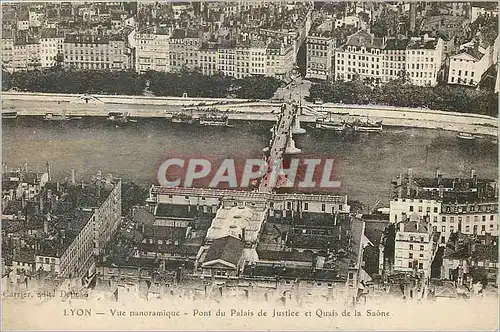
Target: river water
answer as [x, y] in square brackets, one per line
[365, 164]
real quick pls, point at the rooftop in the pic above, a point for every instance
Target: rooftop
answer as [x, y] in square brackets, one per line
[239, 221]
[422, 43]
[364, 39]
[477, 247]
[227, 248]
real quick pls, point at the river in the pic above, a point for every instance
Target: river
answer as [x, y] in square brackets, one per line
[365, 164]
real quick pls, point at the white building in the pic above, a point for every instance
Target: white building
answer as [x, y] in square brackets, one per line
[467, 67]
[152, 52]
[50, 47]
[320, 52]
[360, 56]
[415, 245]
[423, 60]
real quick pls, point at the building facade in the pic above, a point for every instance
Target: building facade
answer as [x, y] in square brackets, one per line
[415, 245]
[152, 52]
[423, 60]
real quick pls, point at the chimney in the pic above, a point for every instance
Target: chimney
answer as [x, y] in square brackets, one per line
[49, 194]
[73, 177]
[488, 239]
[401, 226]
[23, 201]
[46, 225]
[57, 187]
[472, 173]
[437, 173]
[413, 16]
[243, 235]
[457, 247]
[47, 169]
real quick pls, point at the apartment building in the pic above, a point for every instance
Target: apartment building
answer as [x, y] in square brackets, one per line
[423, 60]
[97, 52]
[320, 52]
[393, 59]
[361, 56]
[7, 50]
[51, 46]
[415, 245]
[152, 52]
[70, 244]
[183, 49]
[26, 54]
[280, 60]
[208, 59]
[467, 67]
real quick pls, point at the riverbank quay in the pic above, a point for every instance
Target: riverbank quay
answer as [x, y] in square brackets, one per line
[39, 104]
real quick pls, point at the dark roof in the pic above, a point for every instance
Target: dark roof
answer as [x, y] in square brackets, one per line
[294, 255]
[415, 226]
[422, 44]
[364, 39]
[478, 247]
[8, 185]
[178, 250]
[165, 232]
[175, 211]
[293, 273]
[227, 248]
[374, 231]
[396, 44]
[142, 216]
[474, 53]
[24, 255]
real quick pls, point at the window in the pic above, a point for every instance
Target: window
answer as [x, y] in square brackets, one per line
[492, 217]
[419, 208]
[410, 265]
[323, 207]
[421, 255]
[467, 229]
[421, 247]
[411, 246]
[410, 255]
[443, 219]
[411, 208]
[435, 209]
[483, 218]
[47, 261]
[443, 229]
[420, 265]
[306, 206]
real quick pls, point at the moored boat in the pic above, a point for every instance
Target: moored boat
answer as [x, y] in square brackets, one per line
[214, 119]
[9, 115]
[182, 118]
[338, 126]
[367, 126]
[120, 117]
[466, 136]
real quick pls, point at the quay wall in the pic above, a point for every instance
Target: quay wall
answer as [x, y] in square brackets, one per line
[38, 104]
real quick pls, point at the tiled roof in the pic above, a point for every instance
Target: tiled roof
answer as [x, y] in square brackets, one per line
[227, 248]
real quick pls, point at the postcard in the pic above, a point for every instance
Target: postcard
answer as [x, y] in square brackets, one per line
[249, 165]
